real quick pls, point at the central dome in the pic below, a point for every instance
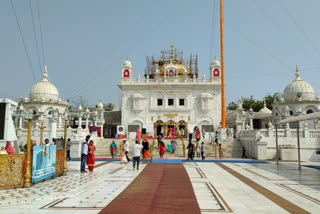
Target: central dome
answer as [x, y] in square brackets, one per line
[298, 89]
[44, 90]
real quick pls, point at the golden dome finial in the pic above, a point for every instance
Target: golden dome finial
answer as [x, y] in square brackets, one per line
[127, 57]
[172, 46]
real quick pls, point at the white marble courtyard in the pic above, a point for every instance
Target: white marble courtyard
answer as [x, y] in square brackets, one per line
[215, 188]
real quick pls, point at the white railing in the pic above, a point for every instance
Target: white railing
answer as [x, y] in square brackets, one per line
[170, 80]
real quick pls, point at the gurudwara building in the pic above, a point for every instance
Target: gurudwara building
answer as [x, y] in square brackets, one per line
[171, 95]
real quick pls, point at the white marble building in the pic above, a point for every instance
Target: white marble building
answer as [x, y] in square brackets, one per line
[170, 95]
[44, 102]
[298, 98]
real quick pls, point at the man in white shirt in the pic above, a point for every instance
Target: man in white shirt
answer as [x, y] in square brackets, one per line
[136, 153]
[84, 153]
[126, 148]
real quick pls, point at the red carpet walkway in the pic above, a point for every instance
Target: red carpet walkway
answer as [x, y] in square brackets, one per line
[161, 189]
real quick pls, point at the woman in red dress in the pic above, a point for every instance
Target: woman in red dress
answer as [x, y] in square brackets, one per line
[162, 149]
[90, 158]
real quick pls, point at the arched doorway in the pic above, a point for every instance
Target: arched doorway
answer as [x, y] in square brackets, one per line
[158, 126]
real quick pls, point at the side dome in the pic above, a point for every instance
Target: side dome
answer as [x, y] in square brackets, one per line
[127, 63]
[44, 90]
[298, 89]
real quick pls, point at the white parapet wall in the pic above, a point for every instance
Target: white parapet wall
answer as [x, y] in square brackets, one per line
[261, 144]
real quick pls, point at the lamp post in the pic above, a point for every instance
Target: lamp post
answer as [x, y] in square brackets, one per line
[65, 145]
[28, 118]
[243, 114]
[41, 132]
[87, 115]
[80, 115]
[251, 118]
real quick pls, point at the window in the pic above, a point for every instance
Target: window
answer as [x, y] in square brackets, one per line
[170, 102]
[181, 102]
[159, 102]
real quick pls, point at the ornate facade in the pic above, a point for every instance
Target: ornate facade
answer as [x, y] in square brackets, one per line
[170, 95]
[298, 98]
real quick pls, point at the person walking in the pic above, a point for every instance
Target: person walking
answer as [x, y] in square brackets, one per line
[162, 149]
[173, 145]
[203, 133]
[244, 152]
[113, 149]
[159, 138]
[126, 148]
[220, 151]
[198, 150]
[202, 151]
[91, 156]
[145, 150]
[197, 134]
[190, 150]
[68, 149]
[216, 138]
[84, 153]
[136, 154]
[228, 133]
[190, 135]
[123, 154]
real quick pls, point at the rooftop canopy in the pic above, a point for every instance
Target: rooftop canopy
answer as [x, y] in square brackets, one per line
[311, 116]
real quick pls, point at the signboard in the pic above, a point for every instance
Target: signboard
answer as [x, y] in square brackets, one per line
[43, 162]
[2, 119]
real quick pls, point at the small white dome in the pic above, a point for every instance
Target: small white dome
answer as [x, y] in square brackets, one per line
[127, 63]
[298, 89]
[265, 109]
[239, 106]
[87, 110]
[80, 107]
[44, 90]
[100, 105]
[215, 62]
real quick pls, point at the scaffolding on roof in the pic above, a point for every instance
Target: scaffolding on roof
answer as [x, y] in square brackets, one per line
[172, 56]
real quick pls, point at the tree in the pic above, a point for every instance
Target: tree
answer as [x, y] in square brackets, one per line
[256, 105]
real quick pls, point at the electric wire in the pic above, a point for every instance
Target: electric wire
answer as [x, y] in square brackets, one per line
[302, 31]
[35, 37]
[41, 37]
[23, 41]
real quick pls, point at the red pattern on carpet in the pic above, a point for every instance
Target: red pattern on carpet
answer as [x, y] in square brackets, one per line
[159, 189]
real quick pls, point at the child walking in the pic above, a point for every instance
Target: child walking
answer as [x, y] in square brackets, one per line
[202, 151]
[220, 151]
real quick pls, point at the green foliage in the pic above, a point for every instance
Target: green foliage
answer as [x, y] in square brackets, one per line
[256, 105]
[232, 106]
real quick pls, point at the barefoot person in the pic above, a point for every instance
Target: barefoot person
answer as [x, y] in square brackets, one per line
[123, 154]
[113, 149]
[84, 153]
[145, 150]
[162, 149]
[136, 154]
[91, 158]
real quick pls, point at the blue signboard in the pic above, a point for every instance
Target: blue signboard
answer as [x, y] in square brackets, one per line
[43, 162]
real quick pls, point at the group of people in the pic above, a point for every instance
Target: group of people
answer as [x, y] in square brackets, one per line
[192, 149]
[136, 149]
[87, 154]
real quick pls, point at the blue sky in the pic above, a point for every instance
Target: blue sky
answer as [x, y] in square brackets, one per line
[86, 42]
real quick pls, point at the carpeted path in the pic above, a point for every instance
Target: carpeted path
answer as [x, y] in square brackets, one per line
[160, 188]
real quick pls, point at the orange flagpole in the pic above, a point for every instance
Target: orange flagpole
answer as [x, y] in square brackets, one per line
[223, 107]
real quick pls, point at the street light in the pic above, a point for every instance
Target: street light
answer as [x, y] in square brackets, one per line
[29, 117]
[66, 117]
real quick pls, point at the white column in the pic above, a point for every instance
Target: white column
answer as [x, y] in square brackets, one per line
[53, 128]
[79, 123]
